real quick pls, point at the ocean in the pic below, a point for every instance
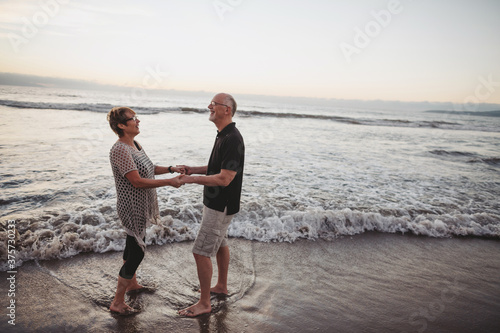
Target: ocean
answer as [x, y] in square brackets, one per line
[318, 175]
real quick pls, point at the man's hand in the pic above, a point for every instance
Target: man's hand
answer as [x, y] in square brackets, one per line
[177, 181]
[187, 170]
[184, 179]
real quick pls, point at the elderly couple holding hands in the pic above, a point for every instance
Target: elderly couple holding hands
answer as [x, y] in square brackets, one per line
[137, 204]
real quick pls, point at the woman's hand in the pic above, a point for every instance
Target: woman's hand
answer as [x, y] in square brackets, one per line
[179, 169]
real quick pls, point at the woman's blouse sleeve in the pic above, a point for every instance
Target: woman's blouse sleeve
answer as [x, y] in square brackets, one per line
[121, 158]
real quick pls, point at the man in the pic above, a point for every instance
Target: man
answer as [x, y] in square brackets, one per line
[222, 179]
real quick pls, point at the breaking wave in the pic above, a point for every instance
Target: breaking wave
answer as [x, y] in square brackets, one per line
[96, 230]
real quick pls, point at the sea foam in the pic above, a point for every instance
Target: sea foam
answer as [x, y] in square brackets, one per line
[48, 240]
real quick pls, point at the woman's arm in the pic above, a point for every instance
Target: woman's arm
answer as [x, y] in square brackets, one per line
[137, 181]
[160, 170]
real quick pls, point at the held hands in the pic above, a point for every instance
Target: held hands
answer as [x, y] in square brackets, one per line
[180, 180]
[177, 181]
[179, 169]
[187, 170]
[184, 177]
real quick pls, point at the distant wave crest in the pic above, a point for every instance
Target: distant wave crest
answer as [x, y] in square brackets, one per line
[495, 113]
[103, 107]
[468, 157]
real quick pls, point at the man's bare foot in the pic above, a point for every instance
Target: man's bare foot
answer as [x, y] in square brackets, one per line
[218, 290]
[195, 310]
[121, 308]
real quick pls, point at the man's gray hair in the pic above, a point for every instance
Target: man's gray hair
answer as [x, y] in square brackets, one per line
[232, 103]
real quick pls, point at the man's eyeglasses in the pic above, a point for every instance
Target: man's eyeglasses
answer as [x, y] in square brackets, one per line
[215, 103]
[134, 118]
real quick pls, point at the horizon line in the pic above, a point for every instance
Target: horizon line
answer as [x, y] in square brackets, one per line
[26, 80]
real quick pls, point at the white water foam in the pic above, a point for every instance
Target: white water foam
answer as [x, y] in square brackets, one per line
[46, 240]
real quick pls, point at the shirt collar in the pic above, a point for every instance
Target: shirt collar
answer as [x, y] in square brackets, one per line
[226, 130]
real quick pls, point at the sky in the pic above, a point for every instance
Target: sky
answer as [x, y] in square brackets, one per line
[398, 50]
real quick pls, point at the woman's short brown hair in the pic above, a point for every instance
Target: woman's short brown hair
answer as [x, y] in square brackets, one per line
[117, 116]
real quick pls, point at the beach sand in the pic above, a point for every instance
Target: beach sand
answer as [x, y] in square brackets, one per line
[372, 282]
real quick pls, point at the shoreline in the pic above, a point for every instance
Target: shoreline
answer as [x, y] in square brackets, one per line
[370, 282]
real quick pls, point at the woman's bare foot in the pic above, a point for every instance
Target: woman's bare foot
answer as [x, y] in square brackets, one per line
[195, 310]
[217, 291]
[121, 308]
[134, 286]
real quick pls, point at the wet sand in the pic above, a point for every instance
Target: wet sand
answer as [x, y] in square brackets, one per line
[368, 283]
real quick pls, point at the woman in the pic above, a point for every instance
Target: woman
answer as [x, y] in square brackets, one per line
[137, 204]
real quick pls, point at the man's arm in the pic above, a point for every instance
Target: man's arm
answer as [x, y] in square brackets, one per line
[189, 170]
[224, 178]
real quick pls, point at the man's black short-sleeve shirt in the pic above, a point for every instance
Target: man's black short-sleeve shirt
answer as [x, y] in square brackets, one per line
[228, 153]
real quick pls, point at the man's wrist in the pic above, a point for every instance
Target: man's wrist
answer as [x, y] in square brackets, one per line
[191, 179]
[170, 169]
